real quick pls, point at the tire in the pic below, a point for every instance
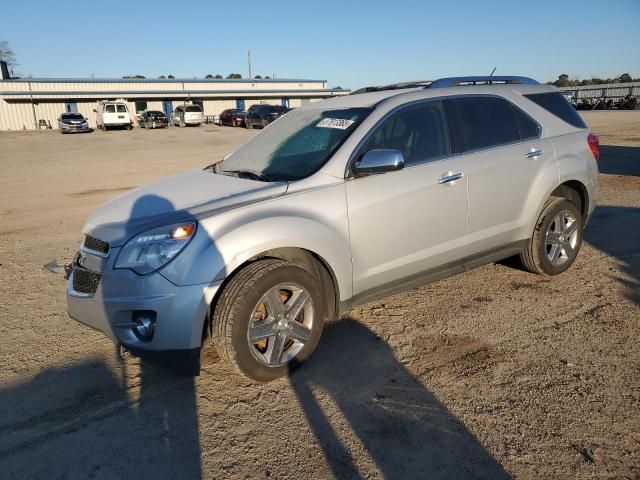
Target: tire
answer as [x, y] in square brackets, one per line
[104, 127]
[264, 123]
[240, 302]
[556, 239]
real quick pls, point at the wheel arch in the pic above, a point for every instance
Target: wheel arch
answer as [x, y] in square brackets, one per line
[575, 191]
[301, 257]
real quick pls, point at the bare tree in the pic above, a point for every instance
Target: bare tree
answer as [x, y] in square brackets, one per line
[7, 54]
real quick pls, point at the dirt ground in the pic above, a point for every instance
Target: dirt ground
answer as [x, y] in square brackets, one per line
[492, 374]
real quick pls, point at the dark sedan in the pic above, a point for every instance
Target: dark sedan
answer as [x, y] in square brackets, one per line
[153, 119]
[73, 122]
[262, 115]
[232, 117]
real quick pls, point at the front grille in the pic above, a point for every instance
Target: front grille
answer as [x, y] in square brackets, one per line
[85, 281]
[93, 243]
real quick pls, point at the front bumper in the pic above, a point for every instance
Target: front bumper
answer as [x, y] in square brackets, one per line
[180, 310]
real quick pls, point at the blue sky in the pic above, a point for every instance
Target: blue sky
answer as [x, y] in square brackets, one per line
[350, 44]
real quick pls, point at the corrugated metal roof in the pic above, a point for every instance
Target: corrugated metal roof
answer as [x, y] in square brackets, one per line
[162, 80]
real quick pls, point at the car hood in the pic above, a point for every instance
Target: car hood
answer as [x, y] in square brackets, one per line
[189, 196]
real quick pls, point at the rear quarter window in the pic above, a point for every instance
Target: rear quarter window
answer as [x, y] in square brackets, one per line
[556, 104]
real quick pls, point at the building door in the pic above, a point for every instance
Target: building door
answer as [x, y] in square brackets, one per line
[284, 102]
[71, 107]
[167, 106]
[240, 104]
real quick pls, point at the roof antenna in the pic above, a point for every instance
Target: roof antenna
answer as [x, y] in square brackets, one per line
[493, 71]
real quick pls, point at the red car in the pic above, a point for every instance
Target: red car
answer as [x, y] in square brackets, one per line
[233, 117]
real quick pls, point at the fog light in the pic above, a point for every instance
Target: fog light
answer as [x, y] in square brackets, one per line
[145, 323]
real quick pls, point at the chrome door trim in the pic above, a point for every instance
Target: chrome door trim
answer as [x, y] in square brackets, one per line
[450, 177]
[534, 153]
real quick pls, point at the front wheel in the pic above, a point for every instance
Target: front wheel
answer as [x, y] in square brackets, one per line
[556, 239]
[268, 318]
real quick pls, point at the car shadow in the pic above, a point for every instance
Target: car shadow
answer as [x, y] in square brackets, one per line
[91, 420]
[619, 160]
[615, 231]
[405, 429]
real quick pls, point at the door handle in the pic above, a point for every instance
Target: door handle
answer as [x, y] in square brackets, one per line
[450, 177]
[533, 153]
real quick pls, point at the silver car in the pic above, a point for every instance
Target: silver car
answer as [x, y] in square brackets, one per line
[338, 203]
[73, 122]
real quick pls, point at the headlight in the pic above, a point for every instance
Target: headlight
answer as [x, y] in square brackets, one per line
[147, 252]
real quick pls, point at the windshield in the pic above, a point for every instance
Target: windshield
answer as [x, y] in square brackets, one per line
[296, 145]
[72, 116]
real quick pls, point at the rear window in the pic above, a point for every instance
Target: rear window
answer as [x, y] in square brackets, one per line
[121, 108]
[485, 122]
[110, 108]
[555, 103]
[193, 108]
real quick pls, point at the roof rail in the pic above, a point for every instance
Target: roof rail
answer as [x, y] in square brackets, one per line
[393, 86]
[488, 80]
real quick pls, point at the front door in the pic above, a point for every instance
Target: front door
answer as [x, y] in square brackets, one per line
[408, 222]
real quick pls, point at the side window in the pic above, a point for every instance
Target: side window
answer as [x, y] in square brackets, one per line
[485, 121]
[110, 108]
[418, 131]
[528, 128]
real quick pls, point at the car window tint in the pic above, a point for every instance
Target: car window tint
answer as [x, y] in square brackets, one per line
[528, 127]
[121, 108]
[418, 131]
[555, 103]
[485, 121]
[110, 108]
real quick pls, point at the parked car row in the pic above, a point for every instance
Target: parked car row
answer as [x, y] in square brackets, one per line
[115, 113]
[257, 116]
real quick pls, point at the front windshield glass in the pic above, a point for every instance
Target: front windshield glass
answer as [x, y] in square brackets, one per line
[296, 145]
[72, 116]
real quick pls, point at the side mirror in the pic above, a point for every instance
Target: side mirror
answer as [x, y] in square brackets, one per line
[379, 161]
[94, 111]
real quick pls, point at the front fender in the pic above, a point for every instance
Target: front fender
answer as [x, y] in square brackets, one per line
[223, 243]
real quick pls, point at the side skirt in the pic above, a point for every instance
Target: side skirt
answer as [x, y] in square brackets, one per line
[433, 275]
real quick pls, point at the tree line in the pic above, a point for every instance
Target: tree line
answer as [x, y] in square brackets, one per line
[231, 76]
[564, 80]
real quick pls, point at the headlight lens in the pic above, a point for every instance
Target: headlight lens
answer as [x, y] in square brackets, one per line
[147, 252]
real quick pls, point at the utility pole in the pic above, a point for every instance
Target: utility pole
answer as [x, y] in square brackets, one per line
[249, 62]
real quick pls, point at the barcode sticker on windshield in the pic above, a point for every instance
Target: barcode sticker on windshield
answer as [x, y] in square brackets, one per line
[340, 123]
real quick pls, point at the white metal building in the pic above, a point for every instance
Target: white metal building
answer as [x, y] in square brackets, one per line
[29, 103]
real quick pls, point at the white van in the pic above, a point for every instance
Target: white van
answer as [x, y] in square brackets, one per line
[187, 114]
[113, 113]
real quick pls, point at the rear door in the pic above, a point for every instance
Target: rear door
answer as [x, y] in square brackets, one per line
[406, 222]
[505, 154]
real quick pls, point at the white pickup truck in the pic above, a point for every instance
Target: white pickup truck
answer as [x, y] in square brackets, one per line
[113, 113]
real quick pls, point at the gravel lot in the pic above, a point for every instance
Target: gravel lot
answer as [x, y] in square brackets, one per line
[491, 374]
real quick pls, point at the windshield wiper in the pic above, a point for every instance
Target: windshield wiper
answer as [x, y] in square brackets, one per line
[250, 174]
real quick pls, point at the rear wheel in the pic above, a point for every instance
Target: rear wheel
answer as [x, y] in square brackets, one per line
[264, 123]
[268, 318]
[556, 239]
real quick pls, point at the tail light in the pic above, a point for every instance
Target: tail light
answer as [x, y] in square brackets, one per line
[593, 142]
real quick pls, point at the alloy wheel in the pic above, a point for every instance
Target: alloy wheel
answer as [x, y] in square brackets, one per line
[561, 238]
[280, 324]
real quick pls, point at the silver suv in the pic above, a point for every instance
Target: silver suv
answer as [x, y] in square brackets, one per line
[335, 204]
